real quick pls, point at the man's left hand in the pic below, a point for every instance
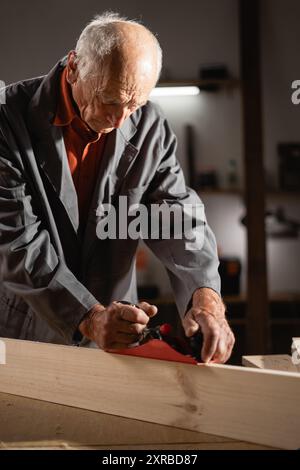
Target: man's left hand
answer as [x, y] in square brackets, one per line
[208, 315]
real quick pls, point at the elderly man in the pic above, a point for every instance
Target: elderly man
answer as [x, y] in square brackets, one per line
[81, 136]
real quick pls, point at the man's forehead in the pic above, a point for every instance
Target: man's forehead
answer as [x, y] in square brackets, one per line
[121, 89]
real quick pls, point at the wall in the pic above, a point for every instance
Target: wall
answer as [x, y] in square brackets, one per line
[204, 31]
[198, 31]
[280, 67]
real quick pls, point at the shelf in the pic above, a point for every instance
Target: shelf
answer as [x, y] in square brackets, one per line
[273, 194]
[229, 83]
[285, 321]
[234, 299]
[220, 192]
[283, 194]
[278, 297]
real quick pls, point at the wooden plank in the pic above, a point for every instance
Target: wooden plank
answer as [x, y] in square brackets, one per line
[25, 419]
[258, 329]
[273, 362]
[236, 402]
[33, 424]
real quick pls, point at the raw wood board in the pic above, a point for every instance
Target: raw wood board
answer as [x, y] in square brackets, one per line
[33, 424]
[281, 362]
[251, 405]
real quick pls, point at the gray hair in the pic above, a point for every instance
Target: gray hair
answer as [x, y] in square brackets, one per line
[98, 39]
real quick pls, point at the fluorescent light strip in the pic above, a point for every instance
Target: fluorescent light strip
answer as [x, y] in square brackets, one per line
[175, 91]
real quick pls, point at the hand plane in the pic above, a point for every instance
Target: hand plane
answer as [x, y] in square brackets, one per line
[159, 343]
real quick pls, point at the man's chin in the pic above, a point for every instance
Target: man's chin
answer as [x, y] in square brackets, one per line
[106, 131]
[100, 130]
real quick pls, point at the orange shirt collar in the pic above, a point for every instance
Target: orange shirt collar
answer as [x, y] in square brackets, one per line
[65, 111]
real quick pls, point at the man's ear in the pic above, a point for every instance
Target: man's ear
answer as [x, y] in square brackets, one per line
[72, 69]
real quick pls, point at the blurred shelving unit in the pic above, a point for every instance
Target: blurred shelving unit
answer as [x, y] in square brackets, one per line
[270, 194]
[257, 321]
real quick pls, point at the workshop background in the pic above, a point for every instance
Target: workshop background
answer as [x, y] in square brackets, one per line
[243, 56]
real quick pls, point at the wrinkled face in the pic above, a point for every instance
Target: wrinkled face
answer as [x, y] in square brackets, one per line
[106, 102]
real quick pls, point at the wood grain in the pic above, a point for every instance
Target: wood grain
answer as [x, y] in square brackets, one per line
[25, 419]
[239, 403]
[33, 424]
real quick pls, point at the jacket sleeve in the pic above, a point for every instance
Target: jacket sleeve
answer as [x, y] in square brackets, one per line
[29, 265]
[191, 260]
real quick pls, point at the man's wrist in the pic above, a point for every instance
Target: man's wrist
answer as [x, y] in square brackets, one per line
[208, 301]
[85, 326]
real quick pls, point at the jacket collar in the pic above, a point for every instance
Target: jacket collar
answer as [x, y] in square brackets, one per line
[50, 152]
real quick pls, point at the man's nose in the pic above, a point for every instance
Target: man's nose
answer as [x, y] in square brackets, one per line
[118, 116]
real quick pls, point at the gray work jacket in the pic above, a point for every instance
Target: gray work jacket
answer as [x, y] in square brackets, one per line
[50, 273]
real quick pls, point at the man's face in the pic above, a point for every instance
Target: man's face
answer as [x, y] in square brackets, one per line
[106, 102]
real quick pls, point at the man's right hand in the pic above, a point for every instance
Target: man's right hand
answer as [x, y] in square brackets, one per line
[117, 326]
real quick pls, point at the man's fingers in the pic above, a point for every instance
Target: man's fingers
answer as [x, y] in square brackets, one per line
[130, 328]
[230, 345]
[125, 339]
[151, 310]
[132, 314]
[224, 348]
[210, 330]
[190, 326]
[208, 314]
[221, 352]
[209, 345]
[211, 335]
